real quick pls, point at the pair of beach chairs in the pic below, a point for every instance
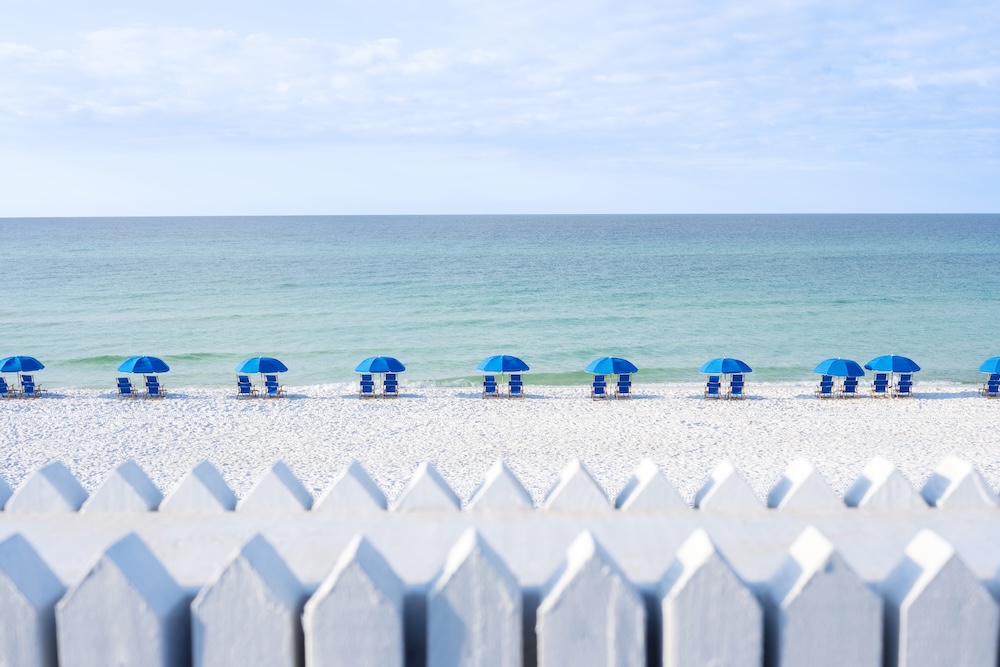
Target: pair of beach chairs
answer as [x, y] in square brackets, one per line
[515, 386]
[623, 388]
[29, 388]
[153, 388]
[881, 387]
[735, 390]
[991, 388]
[390, 386]
[828, 389]
[246, 389]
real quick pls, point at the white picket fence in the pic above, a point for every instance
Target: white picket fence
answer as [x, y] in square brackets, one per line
[888, 575]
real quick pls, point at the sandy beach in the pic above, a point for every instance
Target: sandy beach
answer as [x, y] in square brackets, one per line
[318, 430]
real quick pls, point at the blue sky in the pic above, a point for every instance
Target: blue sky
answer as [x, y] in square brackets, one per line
[404, 106]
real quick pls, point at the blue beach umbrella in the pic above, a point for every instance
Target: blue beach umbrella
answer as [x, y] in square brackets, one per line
[144, 365]
[380, 365]
[611, 366]
[991, 365]
[261, 365]
[891, 363]
[844, 368]
[724, 365]
[502, 363]
[20, 365]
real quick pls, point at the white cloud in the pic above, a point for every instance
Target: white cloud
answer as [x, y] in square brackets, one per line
[802, 84]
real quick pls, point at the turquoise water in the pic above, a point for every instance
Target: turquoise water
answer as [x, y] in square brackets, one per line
[443, 292]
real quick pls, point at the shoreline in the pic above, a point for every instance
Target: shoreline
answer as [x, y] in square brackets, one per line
[319, 431]
[326, 387]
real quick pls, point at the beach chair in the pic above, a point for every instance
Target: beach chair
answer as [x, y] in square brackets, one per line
[624, 387]
[850, 388]
[713, 388]
[825, 389]
[244, 388]
[30, 388]
[904, 386]
[125, 388]
[515, 388]
[6, 391]
[272, 389]
[153, 387]
[490, 387]
[880, 386]
[367, 389]
[390, 386]
[736, 386]
[991, 388]
[599, 388]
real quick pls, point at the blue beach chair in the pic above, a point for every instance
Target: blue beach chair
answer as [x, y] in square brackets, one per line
[271, 387]
[515, 387]
[850, 389]
[880, 386]
[825, 389]
[5, 390]
[244, 388]
[390, 386]
[125, 388]
[904, 386]
[713, 388]
[599, 388]
[736, 386]
[490, 389]
[367, 386]
[30, 388]
[624, 387]
[153, 387]
[991, 389]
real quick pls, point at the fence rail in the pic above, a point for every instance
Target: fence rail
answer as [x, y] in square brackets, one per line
[887, 575]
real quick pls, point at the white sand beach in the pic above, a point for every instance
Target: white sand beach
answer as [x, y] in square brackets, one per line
[318, 430]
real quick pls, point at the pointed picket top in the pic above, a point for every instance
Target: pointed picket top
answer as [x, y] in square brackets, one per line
[726, 490]
[5, 492]
[127, 606]
[802, 488]
[427, 492]
[937, 612]
[29, 590]
[474, 614]
[353, 490]
[821, 612]
[701, 584]
[279, 490]
[882, 487]
[202, 490]
[501, 491]
[649, 490]
[956, 483]
[576, 491]
[259, 583]
[51, 488]
[356, 616]
[589, 608]
[126, 489]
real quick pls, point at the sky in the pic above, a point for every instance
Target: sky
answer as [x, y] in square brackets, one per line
[200, 107]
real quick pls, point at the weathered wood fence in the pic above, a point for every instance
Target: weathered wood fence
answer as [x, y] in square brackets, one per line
[886, 576]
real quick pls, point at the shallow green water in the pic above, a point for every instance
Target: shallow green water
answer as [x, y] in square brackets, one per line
[443, 292]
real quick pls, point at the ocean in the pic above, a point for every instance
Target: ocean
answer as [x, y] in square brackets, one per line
[781, 292]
